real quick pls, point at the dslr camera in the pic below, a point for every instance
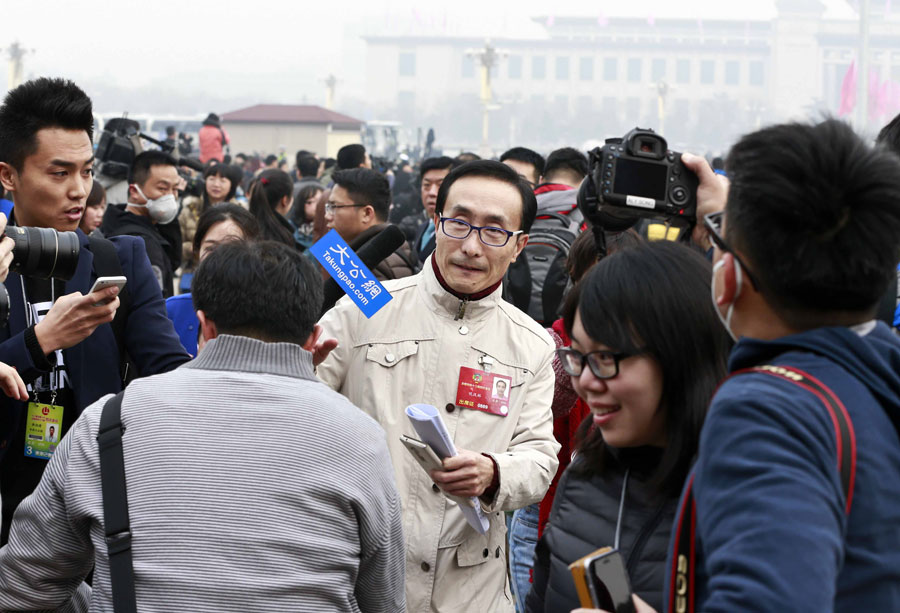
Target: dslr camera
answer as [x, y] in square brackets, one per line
[635, 178]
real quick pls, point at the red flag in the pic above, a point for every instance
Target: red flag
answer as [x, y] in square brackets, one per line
[848, 91]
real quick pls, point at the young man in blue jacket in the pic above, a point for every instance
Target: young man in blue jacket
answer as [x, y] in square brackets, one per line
[792, 512]
[59, 336]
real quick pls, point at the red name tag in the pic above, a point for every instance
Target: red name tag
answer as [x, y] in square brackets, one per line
[483, 391]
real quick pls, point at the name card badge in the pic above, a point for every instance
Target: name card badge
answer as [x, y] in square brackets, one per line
[42, 430]
[351, 275]
[483, 391]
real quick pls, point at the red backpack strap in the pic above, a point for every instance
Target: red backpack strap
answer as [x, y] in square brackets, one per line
[682, 594]
[840, 419]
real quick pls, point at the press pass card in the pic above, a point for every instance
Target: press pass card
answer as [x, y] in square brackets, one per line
[483, 391]
[42, 430]
[351, 275]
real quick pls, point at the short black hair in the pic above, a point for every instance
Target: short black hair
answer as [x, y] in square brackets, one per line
[366, 186]
[350, 156]
[307, 165]
[264, 290]
[566, 160]
[38, 104]
[523, 154]
[491, 170]
[143, 162]
[890, 135]
[653, 299]
[467, 156]
[816, 212]
[225, 211]
[271, 158]
[232, 172]
[438, 163]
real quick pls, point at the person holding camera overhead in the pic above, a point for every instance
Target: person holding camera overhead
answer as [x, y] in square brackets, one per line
[67, 344]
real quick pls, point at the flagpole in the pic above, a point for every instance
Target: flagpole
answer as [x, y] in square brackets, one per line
[862, 82]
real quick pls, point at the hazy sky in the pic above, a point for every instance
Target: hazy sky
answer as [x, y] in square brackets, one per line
[194, 52]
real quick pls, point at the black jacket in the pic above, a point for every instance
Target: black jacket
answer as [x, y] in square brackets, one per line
[119, 222]
[395, 266]
[583, 519]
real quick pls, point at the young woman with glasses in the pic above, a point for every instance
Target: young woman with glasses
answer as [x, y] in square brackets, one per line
[647, 353]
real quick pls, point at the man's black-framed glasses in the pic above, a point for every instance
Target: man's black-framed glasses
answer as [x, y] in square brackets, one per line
[713, 223]
[603, 364]
[491, 236]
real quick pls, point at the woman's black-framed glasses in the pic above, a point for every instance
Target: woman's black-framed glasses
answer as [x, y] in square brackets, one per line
[603, 364]
[713, 223]
[491, 236]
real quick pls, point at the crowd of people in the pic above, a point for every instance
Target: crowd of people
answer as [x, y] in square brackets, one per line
[722, 410]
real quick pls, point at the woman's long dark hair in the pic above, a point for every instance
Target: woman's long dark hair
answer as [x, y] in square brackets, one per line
[225, 211]
[297, 214]
[229, 171]
[266, 191]
[656, 296]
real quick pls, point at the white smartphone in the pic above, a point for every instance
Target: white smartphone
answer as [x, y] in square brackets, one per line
[105, 283]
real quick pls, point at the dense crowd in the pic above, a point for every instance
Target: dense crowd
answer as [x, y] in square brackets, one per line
[716, 401]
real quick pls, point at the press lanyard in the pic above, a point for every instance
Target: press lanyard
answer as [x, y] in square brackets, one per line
[621, 510]
[30, 318]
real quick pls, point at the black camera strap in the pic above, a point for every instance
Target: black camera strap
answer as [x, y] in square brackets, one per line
[682, 589]
[117, 524]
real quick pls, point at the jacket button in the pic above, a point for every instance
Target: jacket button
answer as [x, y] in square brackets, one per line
[435, 487]
[463, 330]
[450, 407]
[426, 566]
[485, 553]
[497, 553]
[389, 358]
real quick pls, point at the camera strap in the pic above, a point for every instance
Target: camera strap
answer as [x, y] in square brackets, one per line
[117, 523]
[31, 320]
[682, 589]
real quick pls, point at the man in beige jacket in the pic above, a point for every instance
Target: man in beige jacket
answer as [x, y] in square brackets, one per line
[447, 318]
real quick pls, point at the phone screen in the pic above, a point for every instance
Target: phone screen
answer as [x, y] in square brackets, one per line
[611, 583]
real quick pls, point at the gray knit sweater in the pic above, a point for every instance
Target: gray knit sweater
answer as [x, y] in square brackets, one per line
[251, 487]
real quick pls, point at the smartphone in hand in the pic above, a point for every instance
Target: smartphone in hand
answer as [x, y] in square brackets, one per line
[105, 283]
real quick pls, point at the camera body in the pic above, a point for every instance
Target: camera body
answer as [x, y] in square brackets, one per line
[638, 177]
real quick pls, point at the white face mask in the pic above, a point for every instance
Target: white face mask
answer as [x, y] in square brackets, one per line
[739, 278]
[162, 210]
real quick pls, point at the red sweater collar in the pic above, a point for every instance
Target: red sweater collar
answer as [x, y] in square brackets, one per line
[476, 296]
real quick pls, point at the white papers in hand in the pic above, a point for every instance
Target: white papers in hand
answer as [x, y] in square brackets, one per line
[427, 422]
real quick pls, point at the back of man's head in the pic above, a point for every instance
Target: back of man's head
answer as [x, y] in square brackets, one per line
[366, 186]
[526, 156]
[567, 166]
[351, 156]
[38, 104]
[307, 165]
[816, 213]
[143, 162]
[263, 290]
[890, 135]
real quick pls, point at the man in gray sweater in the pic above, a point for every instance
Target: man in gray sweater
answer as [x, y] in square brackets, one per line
[227, 512]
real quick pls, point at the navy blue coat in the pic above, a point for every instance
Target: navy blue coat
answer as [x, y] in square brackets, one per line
[772, 530]
[93, 364]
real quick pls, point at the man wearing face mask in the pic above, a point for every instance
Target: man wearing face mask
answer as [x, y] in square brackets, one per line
[151, 202]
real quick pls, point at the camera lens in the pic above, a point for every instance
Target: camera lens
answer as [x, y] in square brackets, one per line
[44, 252]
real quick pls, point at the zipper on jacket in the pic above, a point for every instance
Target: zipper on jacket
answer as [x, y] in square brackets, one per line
[642, 537]
[460, 313]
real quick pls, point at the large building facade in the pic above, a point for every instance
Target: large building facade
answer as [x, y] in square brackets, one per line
[584, 79]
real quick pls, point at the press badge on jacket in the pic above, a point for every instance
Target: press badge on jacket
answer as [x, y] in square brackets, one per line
[42, 430]
[483, 391]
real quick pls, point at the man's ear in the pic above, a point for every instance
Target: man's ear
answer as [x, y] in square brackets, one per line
[208, 329]
[521, 241]
[313, 338]
[8, 177]
[728, 287]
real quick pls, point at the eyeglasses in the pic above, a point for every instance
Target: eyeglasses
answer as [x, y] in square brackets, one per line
[603, 364]
[330, 208]
[713, 223]
[489, 235]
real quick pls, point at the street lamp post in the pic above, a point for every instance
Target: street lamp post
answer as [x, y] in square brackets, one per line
[487, 58]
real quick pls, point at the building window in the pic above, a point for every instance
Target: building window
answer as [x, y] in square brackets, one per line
[707, 72]
[468, 67]
[586, 69]
[683, 71]
[610, 69]
[756, 73]
[658, 70]
[732, 72]
[515, 67]
[407, 64]
[538, 67]
[562, 69]
[634, 69]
